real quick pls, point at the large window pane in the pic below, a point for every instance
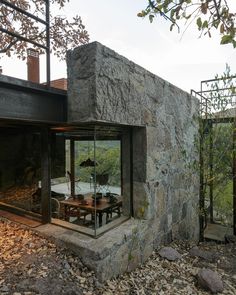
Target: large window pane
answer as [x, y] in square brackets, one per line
[20, 168]
[89, 193]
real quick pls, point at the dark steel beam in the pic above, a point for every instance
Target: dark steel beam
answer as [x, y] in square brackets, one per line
[18, 36]
[216, 90]
[44, 22]
[219, 120]
[193, 92]
[23, 11]
[24, 100]
[217, 79]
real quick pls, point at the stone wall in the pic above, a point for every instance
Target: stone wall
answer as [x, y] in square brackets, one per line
[106, 87]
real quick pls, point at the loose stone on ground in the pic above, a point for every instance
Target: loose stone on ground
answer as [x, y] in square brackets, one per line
[210, 280]
[32, 265]
[196, 252]
[169, 253]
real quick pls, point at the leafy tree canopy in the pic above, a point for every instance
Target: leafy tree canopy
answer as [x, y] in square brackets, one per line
[207, 14]
[64, 33]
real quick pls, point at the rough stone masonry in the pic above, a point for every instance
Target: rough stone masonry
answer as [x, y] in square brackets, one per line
[104, 86]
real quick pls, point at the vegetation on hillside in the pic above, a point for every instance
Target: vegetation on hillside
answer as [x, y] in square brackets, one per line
[107, 155]
[218, 165]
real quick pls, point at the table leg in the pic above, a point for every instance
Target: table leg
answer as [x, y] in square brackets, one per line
[100, 218]
[66, 213]
[119, 211]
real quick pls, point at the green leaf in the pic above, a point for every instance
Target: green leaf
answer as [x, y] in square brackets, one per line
[216, 23]
[226, 39]
[199, 23]
[142, 13]
[233, 89]
[205, 24]
[172, 13]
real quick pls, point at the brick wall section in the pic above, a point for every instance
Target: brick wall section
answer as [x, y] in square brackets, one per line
[59, 83]
[33, 66]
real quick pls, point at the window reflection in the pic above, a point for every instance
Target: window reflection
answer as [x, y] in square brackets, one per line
[92, 185]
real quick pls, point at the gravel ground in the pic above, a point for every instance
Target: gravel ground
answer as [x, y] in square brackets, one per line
[30, 264]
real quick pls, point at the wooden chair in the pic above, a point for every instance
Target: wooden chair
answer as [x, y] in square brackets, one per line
[101, 181]
[56, 208]
[77, 213]
[116, 209]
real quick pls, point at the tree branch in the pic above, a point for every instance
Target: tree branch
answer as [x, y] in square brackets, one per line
[217, 9]
[152, 5]
[12, 43]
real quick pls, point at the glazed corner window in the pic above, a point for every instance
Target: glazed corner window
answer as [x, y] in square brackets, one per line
[93, 194]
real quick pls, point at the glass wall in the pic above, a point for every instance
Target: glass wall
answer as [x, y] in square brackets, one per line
[91, 194]
[20, 168]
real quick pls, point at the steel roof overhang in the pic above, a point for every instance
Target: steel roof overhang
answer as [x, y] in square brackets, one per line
[35, 103]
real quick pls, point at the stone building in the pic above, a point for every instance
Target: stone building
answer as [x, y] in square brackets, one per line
[112, 98]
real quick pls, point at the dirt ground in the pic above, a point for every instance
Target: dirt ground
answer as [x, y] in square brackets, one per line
[31, 264]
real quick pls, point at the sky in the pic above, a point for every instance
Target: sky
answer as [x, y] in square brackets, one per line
[182, 59]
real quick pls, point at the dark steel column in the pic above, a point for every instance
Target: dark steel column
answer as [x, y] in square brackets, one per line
[95, 182]
[234, 177]
[201, 163]
[72, 167]
[45, 175]
[131, 173]
[121, 164]
[201, 192]
[48, 41]
[210, 126]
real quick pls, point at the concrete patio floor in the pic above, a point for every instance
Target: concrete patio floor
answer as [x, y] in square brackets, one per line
[81, 188]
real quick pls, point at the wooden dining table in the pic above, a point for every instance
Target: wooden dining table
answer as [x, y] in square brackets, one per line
[101, 206]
